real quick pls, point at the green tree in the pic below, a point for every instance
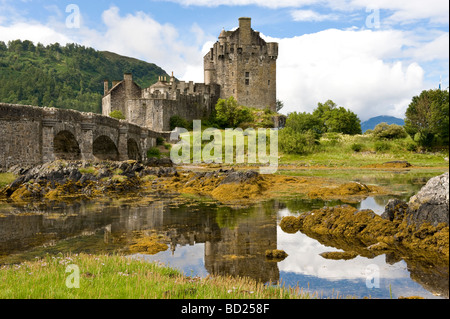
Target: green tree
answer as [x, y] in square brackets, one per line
[294, 142]
[337, 119]
[304, 122]
[390, 132]
[279, 106]
[230, 114]
[427, 118]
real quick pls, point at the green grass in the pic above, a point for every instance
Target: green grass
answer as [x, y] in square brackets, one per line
[337, 150]
[6, 179]
[118, 277]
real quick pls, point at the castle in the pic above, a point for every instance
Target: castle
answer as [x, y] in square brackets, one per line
[240, 64]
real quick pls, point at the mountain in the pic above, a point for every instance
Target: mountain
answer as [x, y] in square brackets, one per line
[68, 76]
[374, 121]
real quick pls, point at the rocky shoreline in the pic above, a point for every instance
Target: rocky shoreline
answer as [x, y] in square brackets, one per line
[419, 225]
[418, 229]
[73, 180]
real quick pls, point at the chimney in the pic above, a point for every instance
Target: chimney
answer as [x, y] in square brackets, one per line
[105, 87]
[128, 79]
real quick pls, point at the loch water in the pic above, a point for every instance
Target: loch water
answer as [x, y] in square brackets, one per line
[205, 238]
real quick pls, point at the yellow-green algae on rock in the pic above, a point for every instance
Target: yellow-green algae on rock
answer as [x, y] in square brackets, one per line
[369, 234]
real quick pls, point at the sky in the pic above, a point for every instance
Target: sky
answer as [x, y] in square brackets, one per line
[368, 56]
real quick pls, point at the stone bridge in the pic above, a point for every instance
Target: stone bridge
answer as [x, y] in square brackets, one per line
[32, 135]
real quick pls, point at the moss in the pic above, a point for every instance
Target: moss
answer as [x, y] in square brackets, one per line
[338, 255]
[368, 234]
[344, 190]
[21, 194]
[276, 255]
[290, 224]
[149, 245]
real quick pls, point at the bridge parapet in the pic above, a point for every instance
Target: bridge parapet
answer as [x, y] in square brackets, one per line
[31, 135]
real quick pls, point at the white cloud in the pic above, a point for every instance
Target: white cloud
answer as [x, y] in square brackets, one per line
[435, 49]
[309, 15]
[33, 31]
[352, 68]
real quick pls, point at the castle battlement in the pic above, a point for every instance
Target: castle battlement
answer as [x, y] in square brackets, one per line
[240, 64]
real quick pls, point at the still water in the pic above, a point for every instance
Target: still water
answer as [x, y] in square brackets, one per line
[205, 238]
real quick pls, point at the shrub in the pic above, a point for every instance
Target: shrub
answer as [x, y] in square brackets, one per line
[386, 131]
[117, 115]
[153, 152]
[229, 114]
[411, 147]
[293, 142]
[381, 146]
[178, 121]
[356, 147]
[159, 140]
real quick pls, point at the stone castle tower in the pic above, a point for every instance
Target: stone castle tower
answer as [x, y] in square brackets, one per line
[241, 64]
[244, 66]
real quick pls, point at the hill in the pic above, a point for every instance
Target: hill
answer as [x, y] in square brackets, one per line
[374, 121]
[68, 76]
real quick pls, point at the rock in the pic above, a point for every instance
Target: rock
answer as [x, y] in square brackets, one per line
[395, 210]
[239, 177]
[398, 164]
[159, 162]
[431, 203]
[276, 255]
[339, 255]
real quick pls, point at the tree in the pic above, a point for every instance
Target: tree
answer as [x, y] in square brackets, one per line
[390, 132]
[295, 142]
[230, 114]
[427, 118]
[304, 122]
[337, 119]
[279, 106]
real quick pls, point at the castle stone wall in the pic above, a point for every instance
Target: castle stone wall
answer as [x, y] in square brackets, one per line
[244, 66]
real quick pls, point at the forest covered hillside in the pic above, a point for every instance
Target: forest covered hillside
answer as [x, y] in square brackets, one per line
[69, 76]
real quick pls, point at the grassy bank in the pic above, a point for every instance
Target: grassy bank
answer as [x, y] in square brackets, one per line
[118, 277]
[6, 179]
[340, 150]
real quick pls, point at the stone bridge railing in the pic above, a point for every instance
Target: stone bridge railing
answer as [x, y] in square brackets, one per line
[32, 135]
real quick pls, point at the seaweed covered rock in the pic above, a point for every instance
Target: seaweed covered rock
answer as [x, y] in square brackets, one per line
[276, 255]
[61, 180]
[369, 234]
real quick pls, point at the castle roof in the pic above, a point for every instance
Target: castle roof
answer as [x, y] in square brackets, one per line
[223, 34]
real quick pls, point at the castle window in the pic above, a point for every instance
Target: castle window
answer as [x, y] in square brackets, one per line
[247, 74]
[247, 81]
[268, 82]
[247, 78]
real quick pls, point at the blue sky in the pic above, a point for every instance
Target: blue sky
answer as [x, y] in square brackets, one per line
[369, 56]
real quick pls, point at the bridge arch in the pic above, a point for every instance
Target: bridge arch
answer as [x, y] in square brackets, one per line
[66, 147]
[104, 148]
[133, 150]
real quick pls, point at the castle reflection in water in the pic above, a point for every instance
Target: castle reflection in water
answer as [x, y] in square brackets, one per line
[234, 244]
